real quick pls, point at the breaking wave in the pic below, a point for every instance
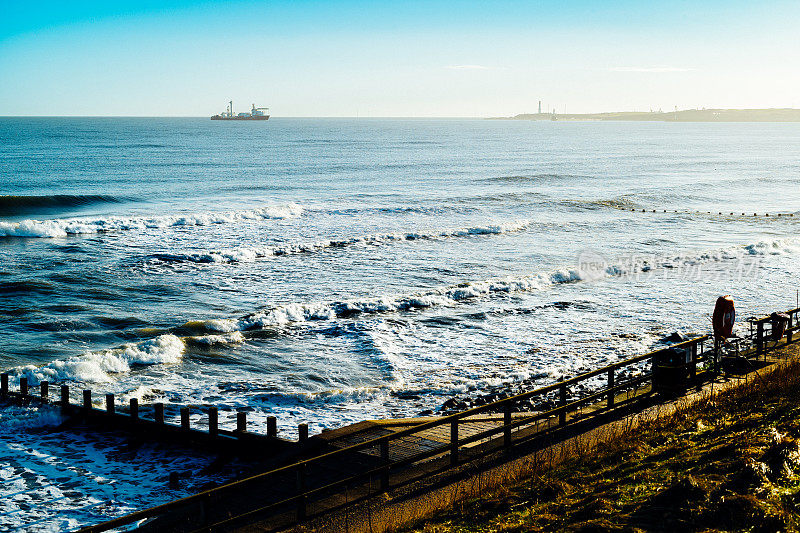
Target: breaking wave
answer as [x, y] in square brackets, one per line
[591, 267]
[100, 366]
[77, 226]
[252, 254]
[18, 205]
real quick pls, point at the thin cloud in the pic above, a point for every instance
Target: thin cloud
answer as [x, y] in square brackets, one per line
[467, 67]
[650, 69]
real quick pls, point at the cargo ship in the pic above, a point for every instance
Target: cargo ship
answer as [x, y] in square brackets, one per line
[257, 113]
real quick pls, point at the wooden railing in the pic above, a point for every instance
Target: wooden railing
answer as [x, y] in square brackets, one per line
[289, 490]
[205, 511]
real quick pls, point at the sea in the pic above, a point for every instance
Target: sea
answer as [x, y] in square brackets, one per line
[329, 271]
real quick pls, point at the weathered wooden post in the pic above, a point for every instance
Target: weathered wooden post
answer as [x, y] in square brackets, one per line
[384, 453]
[507, 425]
[241, 422]
[158, 413]
[185, 418]
[301, 489]
[272, 426]
[302, 433]
[3, 384]
[789, 328]
[87, 400]
[759, 338]
[562, 402]
[44, 390]
[23, 387]
[454, 442]
[693, 363]
[611, 391]
[213, 421]
[110, 404]
[64, 397]
[134, 408]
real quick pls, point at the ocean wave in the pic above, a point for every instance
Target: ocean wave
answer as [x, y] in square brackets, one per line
[249, 254]
[77, 226]
[591, 267]
[18, 205]
[99, 366]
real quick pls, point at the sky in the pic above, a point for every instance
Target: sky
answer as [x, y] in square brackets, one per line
[394, 59]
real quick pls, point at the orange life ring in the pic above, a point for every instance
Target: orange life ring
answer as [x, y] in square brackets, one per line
[724, 317]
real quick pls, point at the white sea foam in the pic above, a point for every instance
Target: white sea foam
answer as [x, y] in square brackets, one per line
[249, 254]
[448, 296]
[100, 365]
[86, 225]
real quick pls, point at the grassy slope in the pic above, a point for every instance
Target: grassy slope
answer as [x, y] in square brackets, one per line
[730, 463]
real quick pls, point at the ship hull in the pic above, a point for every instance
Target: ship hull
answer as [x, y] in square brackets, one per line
[261, 117]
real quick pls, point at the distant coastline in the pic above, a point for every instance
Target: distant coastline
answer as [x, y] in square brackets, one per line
[687, 115]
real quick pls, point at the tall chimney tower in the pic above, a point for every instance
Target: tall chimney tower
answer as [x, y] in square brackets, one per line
[540, 107]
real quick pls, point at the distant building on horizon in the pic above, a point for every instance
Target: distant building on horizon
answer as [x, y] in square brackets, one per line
[540, 107]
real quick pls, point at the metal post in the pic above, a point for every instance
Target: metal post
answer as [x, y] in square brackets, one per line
[272, 426]
[213, 421]
[134, 408]
[611, 391]
[302, 433]
[158, 413]
[3, 384]
[301, 489]
[562, 401]
[45, 390]
[454, 442]
[241, 422]
[23, 387]
[384, 449]
[64, 396]
[507, 425]
[110, 404]
[185, 418]
[87, 400]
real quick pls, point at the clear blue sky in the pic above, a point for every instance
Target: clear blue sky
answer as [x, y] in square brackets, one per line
[418, 58]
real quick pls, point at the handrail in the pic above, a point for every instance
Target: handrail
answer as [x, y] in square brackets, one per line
[371, 443]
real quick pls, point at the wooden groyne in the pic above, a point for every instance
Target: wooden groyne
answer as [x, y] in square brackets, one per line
[149, 422]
